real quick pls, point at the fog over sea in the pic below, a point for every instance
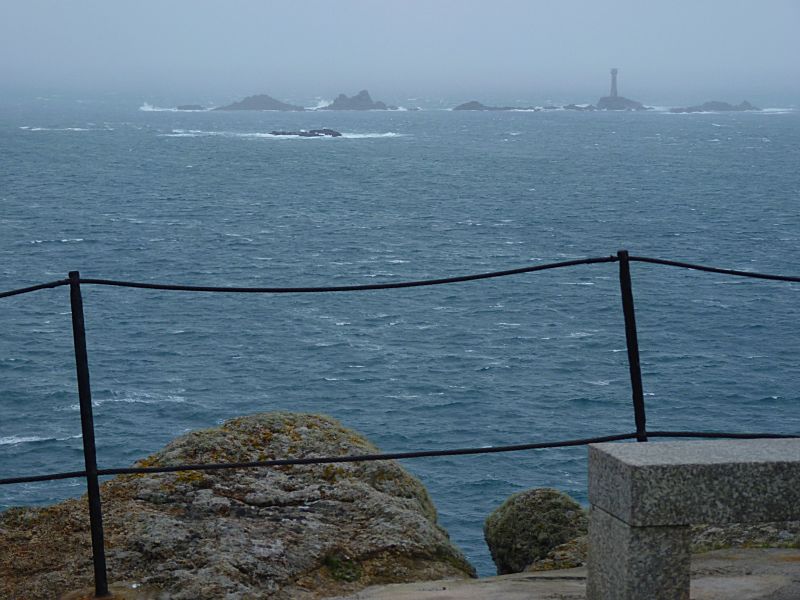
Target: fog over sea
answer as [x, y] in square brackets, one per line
[209, 198]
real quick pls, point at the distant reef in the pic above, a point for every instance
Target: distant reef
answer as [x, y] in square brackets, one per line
[190, 107]
[619, 103]
[309, 133]
[715, 106]
[475, 105]
[361, 101]
[261, 102]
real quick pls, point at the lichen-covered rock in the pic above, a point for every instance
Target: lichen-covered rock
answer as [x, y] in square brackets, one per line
[568, 555]
[294, 532]
[785, 534]
[528, 525]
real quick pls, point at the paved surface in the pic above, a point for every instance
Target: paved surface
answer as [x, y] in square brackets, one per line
[755, 574]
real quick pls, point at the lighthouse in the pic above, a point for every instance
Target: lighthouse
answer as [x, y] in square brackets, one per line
[616, 102]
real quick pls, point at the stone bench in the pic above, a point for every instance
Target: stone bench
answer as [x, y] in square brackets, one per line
[644, 497]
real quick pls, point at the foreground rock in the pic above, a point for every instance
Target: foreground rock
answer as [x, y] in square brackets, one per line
[261, 102]
[529, 524]
[300, 533]
[361, 101]
[715, 106]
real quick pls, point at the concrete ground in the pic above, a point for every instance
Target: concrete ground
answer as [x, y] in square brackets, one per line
[736, 574]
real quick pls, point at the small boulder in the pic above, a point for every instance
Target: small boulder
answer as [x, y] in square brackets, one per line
[528, 525]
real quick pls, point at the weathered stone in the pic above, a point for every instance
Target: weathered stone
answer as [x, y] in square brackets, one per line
[528, 525]
[299, 532]
[568, 555]
[645, 496]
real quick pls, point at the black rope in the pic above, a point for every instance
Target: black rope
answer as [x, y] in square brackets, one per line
[33, 288]
[675, 263]
[348, 288]
[395, 455]
[401, 284]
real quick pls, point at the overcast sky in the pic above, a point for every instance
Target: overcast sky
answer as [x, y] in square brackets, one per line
[679, 51]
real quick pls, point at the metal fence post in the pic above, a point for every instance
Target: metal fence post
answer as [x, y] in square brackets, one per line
[87, 428]
[633, 345]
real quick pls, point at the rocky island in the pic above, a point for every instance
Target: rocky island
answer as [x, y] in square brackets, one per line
[475, 105]
[716, 106]
[261, 102]
[361, 101]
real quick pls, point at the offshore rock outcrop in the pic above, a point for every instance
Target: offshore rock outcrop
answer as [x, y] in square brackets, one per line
[309, 133]
[361, 101]
[619, 103]
[294, 532]
[261, 102]
[715, 106]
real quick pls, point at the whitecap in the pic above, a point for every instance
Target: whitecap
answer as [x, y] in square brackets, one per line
[14, 439]
[147, 107]
[61, 129]
[320, 104]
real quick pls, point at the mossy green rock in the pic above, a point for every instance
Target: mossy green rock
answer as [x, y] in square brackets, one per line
[528, 525]
[292, 532]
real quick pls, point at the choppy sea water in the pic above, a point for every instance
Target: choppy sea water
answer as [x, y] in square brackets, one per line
[208, 198]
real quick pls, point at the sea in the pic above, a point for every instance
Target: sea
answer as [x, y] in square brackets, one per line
[121, 189]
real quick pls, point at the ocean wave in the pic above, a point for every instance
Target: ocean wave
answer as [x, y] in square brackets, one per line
[764, 111]
[191, 133]
[134, 398]
[28, 128]
[320, 104]
[28, 439]
[60, 241]
[150, 108]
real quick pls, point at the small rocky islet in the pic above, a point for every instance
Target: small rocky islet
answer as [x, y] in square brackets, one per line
[360, 101]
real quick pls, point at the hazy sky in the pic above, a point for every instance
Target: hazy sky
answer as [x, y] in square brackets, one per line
[679, 51]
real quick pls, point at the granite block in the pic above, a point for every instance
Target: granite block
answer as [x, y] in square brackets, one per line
[636, 563]
[711, 481]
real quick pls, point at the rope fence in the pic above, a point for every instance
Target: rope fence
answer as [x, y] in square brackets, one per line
[91, 471]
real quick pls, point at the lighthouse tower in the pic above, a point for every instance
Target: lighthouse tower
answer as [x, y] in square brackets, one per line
[614, 83]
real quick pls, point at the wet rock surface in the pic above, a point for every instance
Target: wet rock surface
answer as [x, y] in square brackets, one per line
[299, 532]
